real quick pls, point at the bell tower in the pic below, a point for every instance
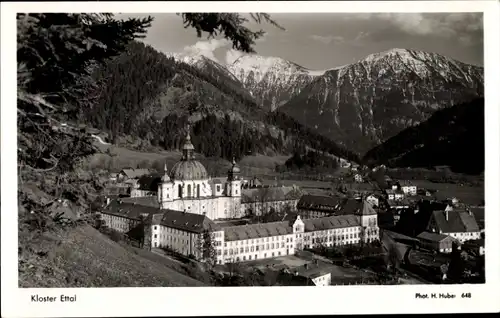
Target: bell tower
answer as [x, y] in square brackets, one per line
[165, 189]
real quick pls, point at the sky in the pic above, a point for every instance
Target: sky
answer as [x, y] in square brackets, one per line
[320, 41]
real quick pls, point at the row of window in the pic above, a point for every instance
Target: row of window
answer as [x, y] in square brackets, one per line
[256, 248]
[244, 258]
[259, 240]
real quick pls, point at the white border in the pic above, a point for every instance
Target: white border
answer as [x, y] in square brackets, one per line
[257, 300]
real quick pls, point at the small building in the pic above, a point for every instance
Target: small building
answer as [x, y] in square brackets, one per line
[394, 195]
[315, 274]
[358, 178]
[409, 189]
[436, 242]
[131, 173]
[456, 222]
[373, 200]
[398, 204]
[146, 186]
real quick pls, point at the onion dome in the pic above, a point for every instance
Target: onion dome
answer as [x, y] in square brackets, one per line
[188, 168]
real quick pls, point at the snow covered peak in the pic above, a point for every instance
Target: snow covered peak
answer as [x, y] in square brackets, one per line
[262, 65]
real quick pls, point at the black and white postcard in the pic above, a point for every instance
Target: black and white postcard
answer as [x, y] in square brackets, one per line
[232, 147]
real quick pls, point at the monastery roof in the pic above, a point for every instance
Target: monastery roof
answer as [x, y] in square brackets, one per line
[330, 222]
[433, 237]
[185, 221]
[135, 173]
[143, 201]
[356, 207]
[128, 210]
[251, 231]
[269, 194]
[459, 221]
[320, 202]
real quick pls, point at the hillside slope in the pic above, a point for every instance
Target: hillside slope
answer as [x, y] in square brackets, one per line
[83, 257]
[363, 104]
[453, 137]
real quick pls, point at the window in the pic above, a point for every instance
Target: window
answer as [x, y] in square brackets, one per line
[267, 246]
[218, 188]
[282, 244]
[273, 254]
[241, 249]
[244, 258]
[257, 248]
[250, 257]
[156, 227]
[180, 191]
[238, 259]
[272, 245]
[265, 254]
[246, 249]
[198, 190]
[156, 235]
[225, 252]
[251, 248]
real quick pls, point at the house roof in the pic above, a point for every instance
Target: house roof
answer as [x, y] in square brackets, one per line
[479, 215]
[252, 231]
[459, 221]
[135, 173]
[269, 194]
[320, 202]
[185, 221]
[433, 237]
[330, 222]
[313, 270]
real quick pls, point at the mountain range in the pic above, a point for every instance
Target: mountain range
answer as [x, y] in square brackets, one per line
[362, 104]
[354, 107]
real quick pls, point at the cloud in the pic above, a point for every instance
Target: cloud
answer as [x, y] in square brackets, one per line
[207, 48]
[467, 27]
[232, 55]
[327, 39]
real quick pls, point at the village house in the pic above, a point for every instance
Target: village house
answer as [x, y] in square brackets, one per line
[373, 200]
[456, 222]
[394, 194]
[436, 242]
[146, 186]
[408, 188]
[131, 173]
[315, 274]
[358, 178]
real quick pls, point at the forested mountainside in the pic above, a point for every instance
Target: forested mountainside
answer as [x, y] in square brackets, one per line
[151, 96]
[450, 137]
[363, 104]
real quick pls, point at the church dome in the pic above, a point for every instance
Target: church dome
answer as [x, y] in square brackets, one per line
[188, 170]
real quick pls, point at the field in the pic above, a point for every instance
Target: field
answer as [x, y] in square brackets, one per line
[466, 194]
[83, 257]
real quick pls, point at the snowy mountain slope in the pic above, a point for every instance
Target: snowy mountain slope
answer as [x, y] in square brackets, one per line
[362, 104]
[272, 81]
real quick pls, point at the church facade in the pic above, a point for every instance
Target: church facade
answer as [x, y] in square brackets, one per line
[189, 188]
